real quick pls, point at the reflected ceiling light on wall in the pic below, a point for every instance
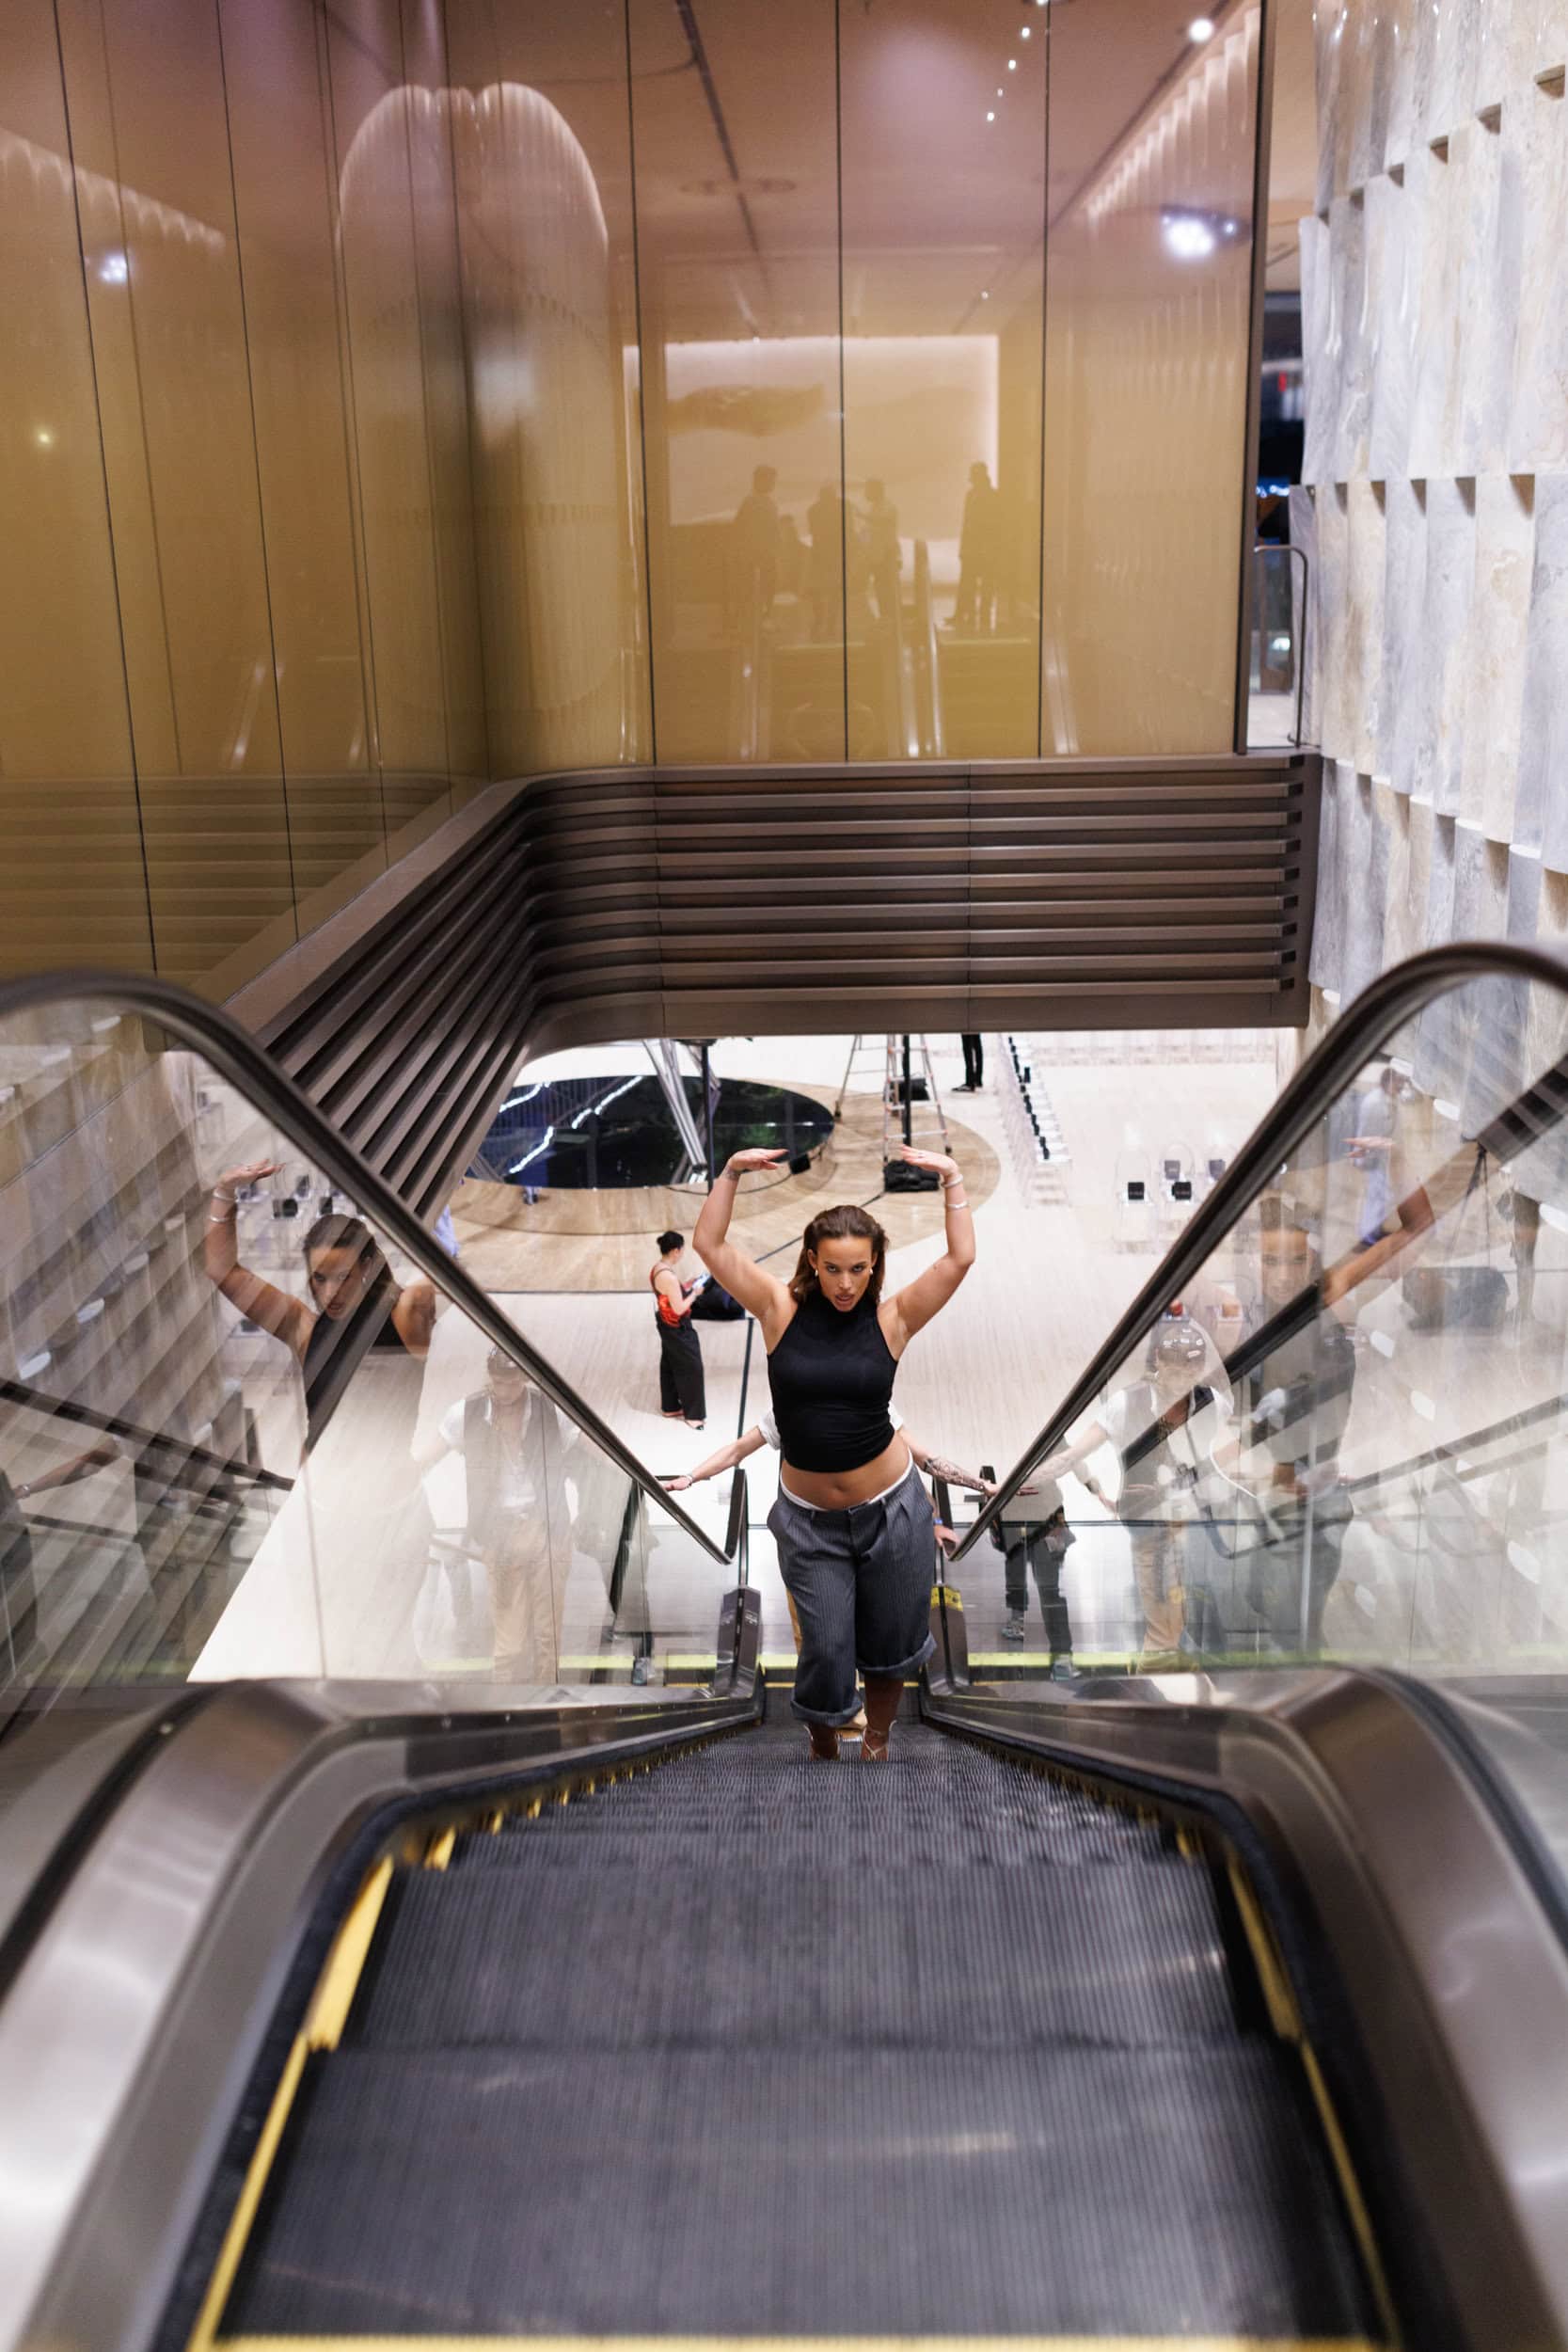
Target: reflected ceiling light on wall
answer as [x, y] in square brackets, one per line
[44, 438]
[114, 269]
[1201, 28]
[1188, 235]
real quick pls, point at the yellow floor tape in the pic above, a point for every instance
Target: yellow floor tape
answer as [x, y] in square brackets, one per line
[799, 2344]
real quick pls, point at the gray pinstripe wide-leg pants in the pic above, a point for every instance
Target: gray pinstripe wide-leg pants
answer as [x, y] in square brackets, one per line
[860, 1580]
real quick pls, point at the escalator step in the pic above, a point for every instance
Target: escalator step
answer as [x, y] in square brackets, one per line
[621, 1959]
[1160, 2191]
[941, 1800]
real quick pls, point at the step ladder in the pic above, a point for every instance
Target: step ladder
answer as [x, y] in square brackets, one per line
[893, 1084]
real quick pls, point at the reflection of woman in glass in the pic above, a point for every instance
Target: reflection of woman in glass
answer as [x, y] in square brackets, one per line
[350, 1286]
[517, 1512]
[360, 1345]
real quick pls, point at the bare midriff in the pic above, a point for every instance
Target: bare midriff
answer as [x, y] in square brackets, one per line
[839, 1490]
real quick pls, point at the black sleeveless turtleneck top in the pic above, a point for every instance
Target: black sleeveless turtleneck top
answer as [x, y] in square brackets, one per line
[831, 1377]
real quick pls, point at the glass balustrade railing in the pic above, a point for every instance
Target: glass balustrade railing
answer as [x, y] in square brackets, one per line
[1279, 591]
[248, 1427]
[1337, 1431]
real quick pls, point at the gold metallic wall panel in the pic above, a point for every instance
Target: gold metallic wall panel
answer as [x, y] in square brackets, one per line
[408, 394]
[231, 232]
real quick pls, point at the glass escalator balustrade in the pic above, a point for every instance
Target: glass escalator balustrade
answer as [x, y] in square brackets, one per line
[1344, 1439]
[242, 1436]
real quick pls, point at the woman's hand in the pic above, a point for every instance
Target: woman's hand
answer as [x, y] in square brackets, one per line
[946, 1536]
[937, 1161]
[741, 1163]
[678, 1485]
[251, 1173]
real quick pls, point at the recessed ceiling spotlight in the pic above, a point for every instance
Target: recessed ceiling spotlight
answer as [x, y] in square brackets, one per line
[1200, 28]
[1012, 65]
[1189, 237]
[990, 114]
[1023, 32]
[985, 293]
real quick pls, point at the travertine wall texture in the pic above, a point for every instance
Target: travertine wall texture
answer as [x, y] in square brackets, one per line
[1434, 291]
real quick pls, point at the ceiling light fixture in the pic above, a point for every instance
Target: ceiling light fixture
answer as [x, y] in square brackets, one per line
[1189, 237]
[990, 114]
[1012, 65]
[1201, 28]
[985, 293]
[1023, 32]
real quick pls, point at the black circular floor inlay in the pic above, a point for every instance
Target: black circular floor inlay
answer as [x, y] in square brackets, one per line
[606, 1133]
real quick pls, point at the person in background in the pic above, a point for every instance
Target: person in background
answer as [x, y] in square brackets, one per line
[827, 522]
[974, 1045]
[682, 1389]
[1033, 1536]
[884, 553]
[979, 555]
[1375, 1132]
[1165, 1428]
[754, 547]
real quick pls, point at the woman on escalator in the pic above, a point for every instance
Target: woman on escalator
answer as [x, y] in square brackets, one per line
[853, 1524]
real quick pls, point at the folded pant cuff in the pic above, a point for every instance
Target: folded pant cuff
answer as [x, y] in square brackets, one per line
[905, 1666]
[833, 1718]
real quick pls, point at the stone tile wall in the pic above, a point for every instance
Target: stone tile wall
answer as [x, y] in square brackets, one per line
[1434, 511]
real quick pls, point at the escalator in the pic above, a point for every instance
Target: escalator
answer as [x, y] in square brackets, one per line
[352, 1987]
[757, 2043]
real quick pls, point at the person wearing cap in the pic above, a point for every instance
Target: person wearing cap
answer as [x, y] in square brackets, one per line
[1165, 1428]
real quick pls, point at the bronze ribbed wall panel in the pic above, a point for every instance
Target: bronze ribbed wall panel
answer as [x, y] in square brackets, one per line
[647, 903]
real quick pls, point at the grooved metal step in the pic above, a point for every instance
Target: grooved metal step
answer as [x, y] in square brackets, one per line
[754, 2045]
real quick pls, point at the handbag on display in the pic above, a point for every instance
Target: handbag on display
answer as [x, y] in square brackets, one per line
[1461, 1297]
[714, 1304]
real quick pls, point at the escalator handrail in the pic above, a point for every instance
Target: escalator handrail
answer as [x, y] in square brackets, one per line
[209, 1030]
[1377, 1014]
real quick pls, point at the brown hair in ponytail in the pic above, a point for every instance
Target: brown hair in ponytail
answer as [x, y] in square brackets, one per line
[844, 1223]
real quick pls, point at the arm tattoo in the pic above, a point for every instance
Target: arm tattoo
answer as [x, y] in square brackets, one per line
[938, 1467]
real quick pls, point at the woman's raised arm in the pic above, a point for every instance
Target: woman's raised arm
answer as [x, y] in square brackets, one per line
[286, 1317]
[918, 1301]
[760, 1293]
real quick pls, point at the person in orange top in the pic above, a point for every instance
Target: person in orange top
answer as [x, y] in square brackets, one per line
[682, 1393]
